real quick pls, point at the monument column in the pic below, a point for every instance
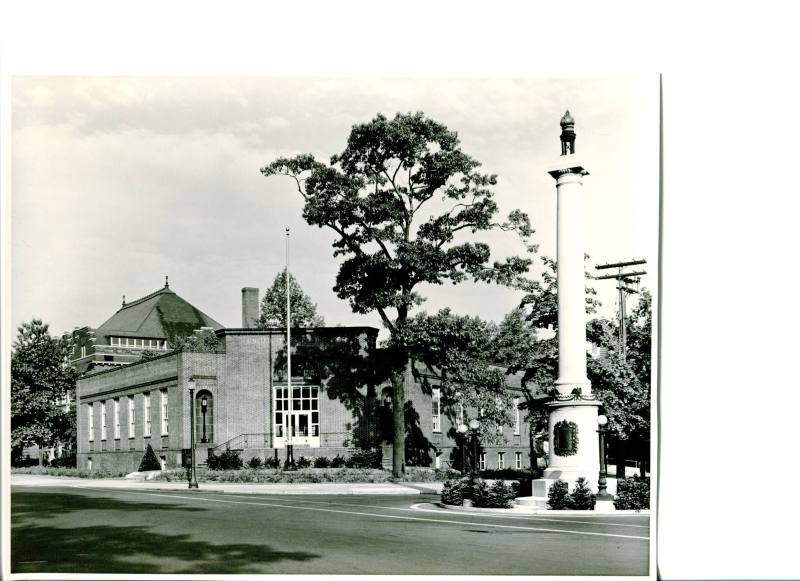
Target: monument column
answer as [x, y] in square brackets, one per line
[572, 425]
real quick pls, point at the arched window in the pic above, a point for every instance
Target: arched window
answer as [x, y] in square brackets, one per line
[204, 417]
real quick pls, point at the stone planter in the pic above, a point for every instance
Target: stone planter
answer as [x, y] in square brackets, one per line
[466, 503]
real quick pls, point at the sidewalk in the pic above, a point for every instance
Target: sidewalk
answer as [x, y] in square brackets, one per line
[380, 488]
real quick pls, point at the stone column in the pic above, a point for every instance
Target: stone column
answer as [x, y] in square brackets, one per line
[574, 402]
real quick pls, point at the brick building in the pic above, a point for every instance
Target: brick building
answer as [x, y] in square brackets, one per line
[152, 323]
[338, 394]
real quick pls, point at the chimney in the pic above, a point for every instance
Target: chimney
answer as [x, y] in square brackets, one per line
[249, 307]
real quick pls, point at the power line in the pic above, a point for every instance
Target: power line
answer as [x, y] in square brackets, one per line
[623, 279]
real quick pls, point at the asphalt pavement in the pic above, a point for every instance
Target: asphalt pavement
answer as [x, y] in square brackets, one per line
[79, 528]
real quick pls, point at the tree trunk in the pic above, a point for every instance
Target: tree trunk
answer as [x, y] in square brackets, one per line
[399, 379]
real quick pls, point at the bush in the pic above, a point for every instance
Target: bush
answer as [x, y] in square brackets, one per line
[498, 495]
[66, 460]
[228, 460]
[71, 472]
[582, 497]
[558, 497]
[149, 460]
[337, 461]
[364, 459]
[303, 462]
[632, 494]
[321, 462]
[272, 462]
[254, 462]
[455, 491]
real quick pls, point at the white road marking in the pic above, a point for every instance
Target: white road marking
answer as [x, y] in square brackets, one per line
[318, 509]
[418, 508]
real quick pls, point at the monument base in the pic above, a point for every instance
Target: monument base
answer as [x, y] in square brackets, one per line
[604, 506]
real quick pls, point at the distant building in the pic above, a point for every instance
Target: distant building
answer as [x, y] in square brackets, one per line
[338, 398]
[152, 323]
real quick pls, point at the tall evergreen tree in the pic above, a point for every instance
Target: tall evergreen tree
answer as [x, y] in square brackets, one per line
[273, 305]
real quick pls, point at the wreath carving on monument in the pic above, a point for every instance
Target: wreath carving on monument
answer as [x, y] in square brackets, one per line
[565, 438]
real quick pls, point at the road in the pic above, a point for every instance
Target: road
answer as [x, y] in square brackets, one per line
[62, 529]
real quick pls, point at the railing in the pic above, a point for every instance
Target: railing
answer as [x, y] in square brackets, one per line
[326, 440]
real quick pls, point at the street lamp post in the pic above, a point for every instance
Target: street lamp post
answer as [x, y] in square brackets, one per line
[193, 475]
[602, 494]
[462, 430]
[204, 407]
[474, 425]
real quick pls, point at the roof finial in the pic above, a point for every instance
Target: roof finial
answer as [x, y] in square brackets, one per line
[166, 281]
[567, 134]
[123, 300]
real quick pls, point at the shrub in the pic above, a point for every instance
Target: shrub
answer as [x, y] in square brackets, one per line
[558, 497]
[455, 491]
[632, 494]
[66, 460]
[321, 462]
[582, 497]
[303, 462]
[498, 495]
[272, 462]
[337, 461]
[149, 460]
[364, 459]
[254, 462]
[228, 460]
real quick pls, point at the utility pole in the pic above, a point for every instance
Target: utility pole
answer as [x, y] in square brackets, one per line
[623, 279]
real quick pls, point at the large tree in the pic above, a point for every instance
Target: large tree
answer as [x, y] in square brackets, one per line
[403, 200]
[459, 351]
[273, 305]
[41, 379]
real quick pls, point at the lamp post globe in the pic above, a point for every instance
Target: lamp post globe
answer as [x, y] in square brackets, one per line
[474, 425]
[461, 430]
[602, 421]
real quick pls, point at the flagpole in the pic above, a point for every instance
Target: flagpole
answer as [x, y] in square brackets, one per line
[289, 447]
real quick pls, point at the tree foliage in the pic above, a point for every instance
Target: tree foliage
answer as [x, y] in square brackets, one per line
[403, 200]
[201, 341]
[41, 378]
[273, 305]
[459, 351]
[527, 342]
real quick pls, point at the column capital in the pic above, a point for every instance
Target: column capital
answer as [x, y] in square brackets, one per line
[569, 164]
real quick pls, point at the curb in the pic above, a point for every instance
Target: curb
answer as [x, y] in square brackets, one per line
[538, 511]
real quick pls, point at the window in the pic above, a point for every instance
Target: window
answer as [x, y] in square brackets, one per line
[90, 423]
[116, 419]
[436, 416]
[516, 416]
[164, 412]
[517, 460]
[482, 461]
[147, 415]
[305, 412]
[103, 420]
[501, 460]
[131, 417]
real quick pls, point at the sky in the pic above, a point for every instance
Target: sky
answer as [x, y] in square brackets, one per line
[118, 182]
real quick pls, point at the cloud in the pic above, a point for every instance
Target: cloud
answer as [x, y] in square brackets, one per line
[119, 181]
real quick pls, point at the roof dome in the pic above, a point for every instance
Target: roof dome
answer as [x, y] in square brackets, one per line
[567, 119]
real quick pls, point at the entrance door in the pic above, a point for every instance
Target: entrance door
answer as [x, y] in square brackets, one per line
[302, 422]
